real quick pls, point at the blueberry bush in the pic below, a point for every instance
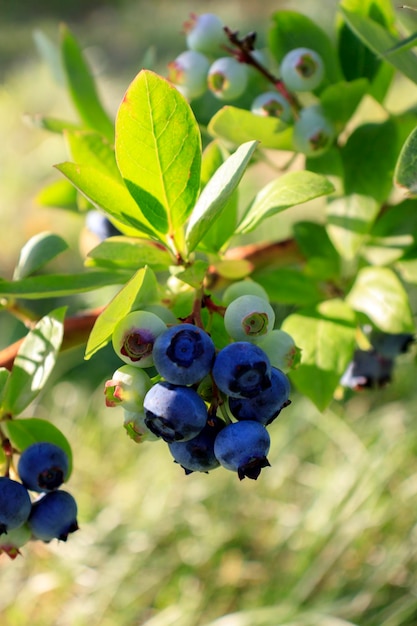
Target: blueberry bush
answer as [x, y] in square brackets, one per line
[218, 321]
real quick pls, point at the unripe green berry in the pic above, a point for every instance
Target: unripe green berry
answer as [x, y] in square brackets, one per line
[272, 104]
[205, 33]
[313, 133]
[127, 388]
[227, 78]
[245, 287]
[249, 317]
[134, 336]
[302, 69]
[281, 349]
[188, 72]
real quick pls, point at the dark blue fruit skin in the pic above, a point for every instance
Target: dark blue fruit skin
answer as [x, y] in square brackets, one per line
[367, 370]
[15, 504]
[174, 412]
[100, 226]
[53, 516]
[183, 354]
[197, 454]
[391, 345]
[267, 405]
[43, 466]
[242, 447]
[242, 370]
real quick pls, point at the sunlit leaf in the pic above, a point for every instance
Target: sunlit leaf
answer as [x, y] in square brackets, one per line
[38, 251]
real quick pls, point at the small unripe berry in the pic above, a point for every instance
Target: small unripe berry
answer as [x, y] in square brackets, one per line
[205, 33]
[227, 78]
[281, 349]
[248, 318]
[302, 69]
[127, 388]
[134, 336]
[313, 133]
[188, 72]
[272, 104]
[245, 287]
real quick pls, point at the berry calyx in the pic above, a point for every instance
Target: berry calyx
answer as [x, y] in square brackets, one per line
[249, 317]
[43, 466]
[302, 69]
[272, 104]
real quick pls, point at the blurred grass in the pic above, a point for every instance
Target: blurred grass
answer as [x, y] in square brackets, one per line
[326, 537]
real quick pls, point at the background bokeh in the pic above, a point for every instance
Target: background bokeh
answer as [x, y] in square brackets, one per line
[326, 537]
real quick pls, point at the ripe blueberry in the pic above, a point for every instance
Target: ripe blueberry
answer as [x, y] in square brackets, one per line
[15, 504]
[272, 104]
[390, 345]
[197, 454]
[43, 466]
[265, 406]
[248, 318]
[134, 336]
[183, 354]
[173, 412]
[302, 69]
[368, 369]
[188, 72]
[227, 78]
[242, 447]
[53, 516]
[242, 370]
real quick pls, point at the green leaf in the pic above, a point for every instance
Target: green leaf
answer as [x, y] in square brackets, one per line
[288, 286]
[326, 336]
[286, 191]
[405, 174]
[91, 148]
[195, 274]
[378, 292]
[129, 253]
[58, 285]
[4, 375]
[340, 100]
[349, 220]
[109, 195]
[59, 194]
[52, 124]
[82, 87]
[382, 43]
[216, 194]
[158, 151]
[407, 266]
[291, 29]
[51, 54]
[316, 246]
[393, 233]
[239, 126]
[34, 362]
[140, 288]
[23, 432]
[38, 251]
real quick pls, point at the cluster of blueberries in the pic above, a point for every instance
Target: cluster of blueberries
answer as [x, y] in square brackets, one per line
[33, 507]
[207, 66]
[211, 406]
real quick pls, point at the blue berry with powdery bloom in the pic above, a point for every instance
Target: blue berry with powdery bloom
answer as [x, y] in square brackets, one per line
[100, 225]
[43, 466]
[134, 336]
[242, 370]
[197, 454]
[53, 516]
[15, 504]
[183, 354]
[174, 412]
[242, 447]
[265, 406]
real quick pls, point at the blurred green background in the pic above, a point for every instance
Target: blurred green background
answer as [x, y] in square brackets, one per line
[326, 537]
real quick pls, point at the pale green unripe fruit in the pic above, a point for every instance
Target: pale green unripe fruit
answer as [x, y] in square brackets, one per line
[134, 423]
[227, 78]
[272, 104]
[188, 72]
[313, 134]
[127, 388]
[249, 317]
[205, 33]
[302, 69]
[134, 336]
[246, 287]
[280, 347]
